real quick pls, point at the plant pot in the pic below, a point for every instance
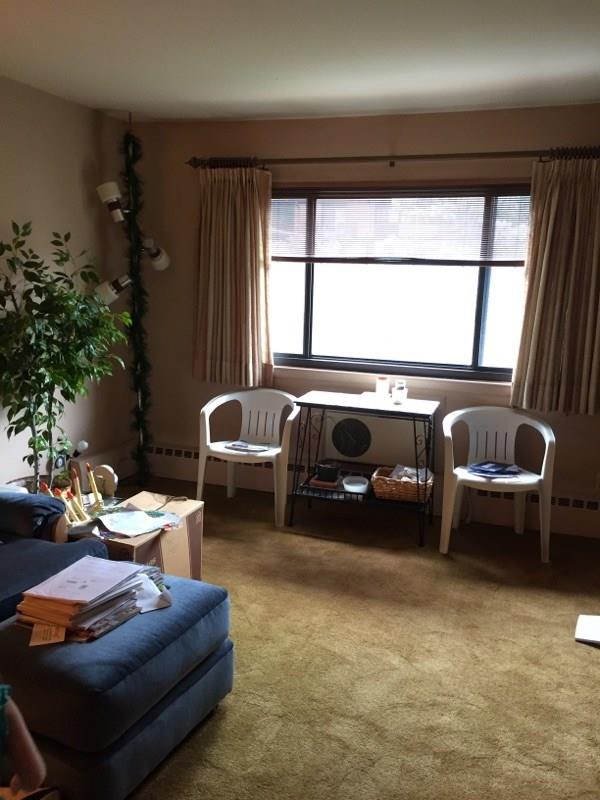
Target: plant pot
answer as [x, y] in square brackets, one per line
[26, 483]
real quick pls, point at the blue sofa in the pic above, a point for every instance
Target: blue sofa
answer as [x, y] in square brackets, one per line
[106, 713]
[27, 556]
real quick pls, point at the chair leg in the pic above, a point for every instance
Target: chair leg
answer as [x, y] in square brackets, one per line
[231, 479]
[545, 508]
[469, 505]
[200, 479]
[280, 491]
[457, 506]
[520, 501]
[450, 486]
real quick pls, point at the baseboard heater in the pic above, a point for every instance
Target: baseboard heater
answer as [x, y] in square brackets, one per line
[183, 454]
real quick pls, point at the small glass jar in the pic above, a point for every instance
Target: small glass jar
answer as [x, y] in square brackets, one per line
[399, 392]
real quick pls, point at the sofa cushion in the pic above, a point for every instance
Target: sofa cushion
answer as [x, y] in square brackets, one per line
[23, 514]
[25, 562]
[86, 695]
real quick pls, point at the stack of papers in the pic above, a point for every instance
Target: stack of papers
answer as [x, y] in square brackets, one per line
[88, 599]
[494, 469]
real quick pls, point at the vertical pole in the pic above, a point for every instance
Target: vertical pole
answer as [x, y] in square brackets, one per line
[140, 365]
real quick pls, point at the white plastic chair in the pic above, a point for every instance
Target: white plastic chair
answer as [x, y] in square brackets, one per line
[262, 410]
[492, 433]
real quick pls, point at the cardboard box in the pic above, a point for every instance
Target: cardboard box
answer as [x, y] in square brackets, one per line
[177, 551]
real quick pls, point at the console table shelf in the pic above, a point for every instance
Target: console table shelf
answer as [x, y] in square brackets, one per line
[314, 407]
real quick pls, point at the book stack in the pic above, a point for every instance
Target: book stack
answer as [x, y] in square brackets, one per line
[317, 483]
[83, 601]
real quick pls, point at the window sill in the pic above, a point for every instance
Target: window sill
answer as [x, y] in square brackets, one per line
[299, 380]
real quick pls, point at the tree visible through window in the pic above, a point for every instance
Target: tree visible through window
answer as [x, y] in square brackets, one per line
[421, 282]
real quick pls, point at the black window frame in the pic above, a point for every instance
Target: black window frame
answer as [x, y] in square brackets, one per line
[474, 371]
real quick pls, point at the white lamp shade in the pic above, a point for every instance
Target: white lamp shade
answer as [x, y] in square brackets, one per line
[110, 194]
[159, 258]
[110, 290]
[161, 261]
[106, 292]
[107, 192]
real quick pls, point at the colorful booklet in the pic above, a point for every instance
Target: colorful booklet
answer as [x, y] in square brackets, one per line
[494, 469]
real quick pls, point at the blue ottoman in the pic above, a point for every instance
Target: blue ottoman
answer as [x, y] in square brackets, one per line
[105, 713]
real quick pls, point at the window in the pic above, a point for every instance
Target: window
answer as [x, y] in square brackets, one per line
[418, 282]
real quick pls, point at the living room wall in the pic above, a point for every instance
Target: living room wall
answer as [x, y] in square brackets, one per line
[172, 211]
[52, 156]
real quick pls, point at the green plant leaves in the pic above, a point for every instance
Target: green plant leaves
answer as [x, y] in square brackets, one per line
[54, 338]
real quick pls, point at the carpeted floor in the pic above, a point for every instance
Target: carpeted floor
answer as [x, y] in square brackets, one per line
[369, 668]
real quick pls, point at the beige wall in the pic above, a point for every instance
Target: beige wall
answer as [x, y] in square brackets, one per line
[52, 155]
[171, 214]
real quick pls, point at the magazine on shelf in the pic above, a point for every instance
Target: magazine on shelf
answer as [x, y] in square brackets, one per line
[317, 483]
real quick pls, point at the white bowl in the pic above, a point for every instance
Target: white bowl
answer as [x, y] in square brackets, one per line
[356, 484]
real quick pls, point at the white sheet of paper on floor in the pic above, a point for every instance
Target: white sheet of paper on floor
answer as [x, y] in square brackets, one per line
[588, 629]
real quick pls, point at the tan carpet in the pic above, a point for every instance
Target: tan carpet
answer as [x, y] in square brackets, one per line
[369, 668]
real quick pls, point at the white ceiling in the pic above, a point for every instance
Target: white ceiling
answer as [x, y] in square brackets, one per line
[191, 59]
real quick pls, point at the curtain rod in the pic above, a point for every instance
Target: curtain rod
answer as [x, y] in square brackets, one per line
[554, 153]
[196, 162]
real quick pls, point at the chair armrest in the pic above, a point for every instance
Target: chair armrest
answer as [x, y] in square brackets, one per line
[447, 424]
[547, 434]
[287, 429]
[205, 413]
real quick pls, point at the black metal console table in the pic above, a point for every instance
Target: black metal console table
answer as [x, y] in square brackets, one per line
[314, 407]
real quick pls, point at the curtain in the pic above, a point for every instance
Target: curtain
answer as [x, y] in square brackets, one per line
[558, 366]
[232, 332]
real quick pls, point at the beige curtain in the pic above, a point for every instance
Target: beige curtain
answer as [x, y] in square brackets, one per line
[558, 367]
[232, 332]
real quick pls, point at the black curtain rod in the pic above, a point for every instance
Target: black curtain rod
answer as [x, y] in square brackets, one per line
[565, 152]
[391, 159]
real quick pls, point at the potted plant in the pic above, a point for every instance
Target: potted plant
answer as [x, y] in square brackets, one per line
[55, 336]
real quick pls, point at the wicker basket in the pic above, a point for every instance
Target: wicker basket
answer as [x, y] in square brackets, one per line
[387, 488]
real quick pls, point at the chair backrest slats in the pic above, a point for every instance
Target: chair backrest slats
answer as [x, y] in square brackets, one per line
[492, 435]
[261, 414]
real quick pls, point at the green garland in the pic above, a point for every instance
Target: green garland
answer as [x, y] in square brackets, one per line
[140, 365]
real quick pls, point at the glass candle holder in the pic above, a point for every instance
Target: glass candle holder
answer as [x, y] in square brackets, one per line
[399, 392]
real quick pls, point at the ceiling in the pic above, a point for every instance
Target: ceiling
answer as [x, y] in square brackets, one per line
[191, 59]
